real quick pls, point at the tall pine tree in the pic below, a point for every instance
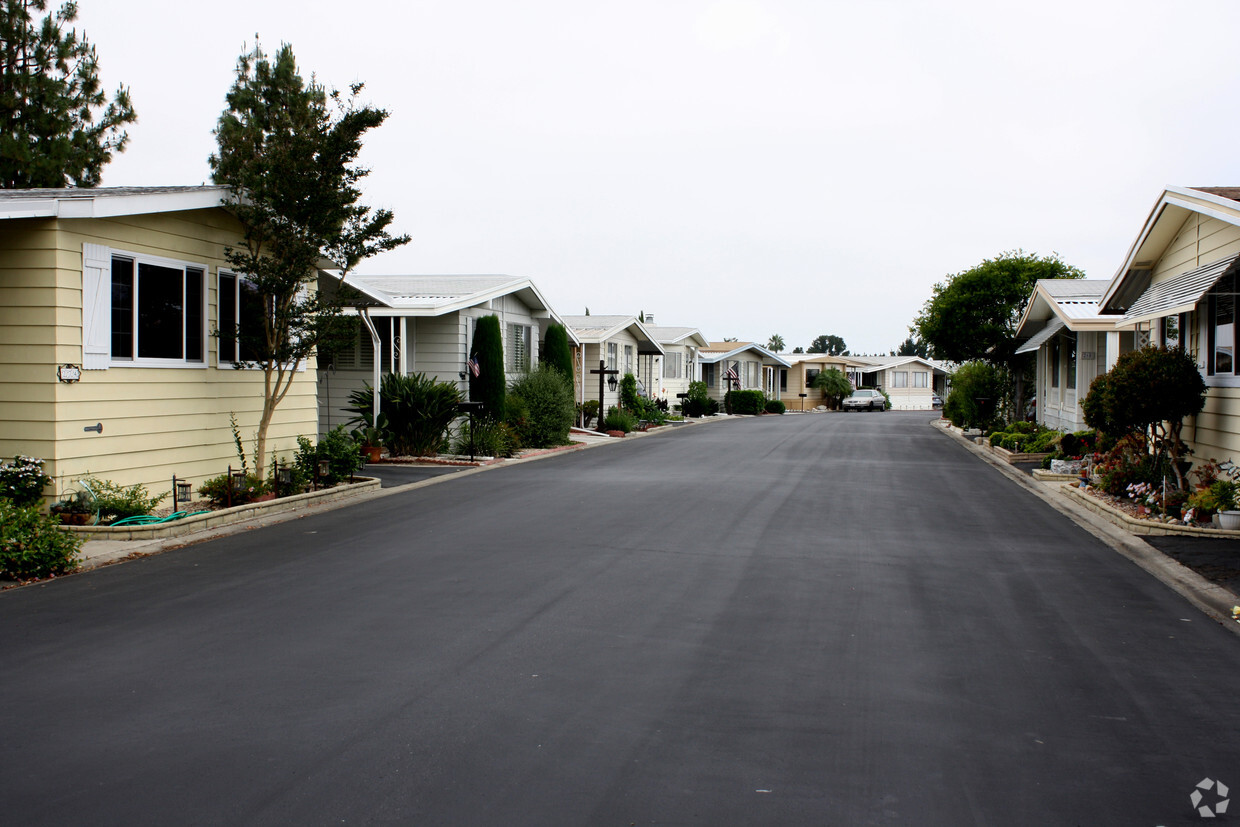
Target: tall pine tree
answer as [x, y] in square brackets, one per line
[288, 149]
[59, 127]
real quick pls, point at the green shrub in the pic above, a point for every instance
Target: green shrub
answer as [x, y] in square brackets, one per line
[216, 490]
[490, 439]
[547, 396]
[557, 352]
[32, 546]
[22, 481]
[971, 381]
[415, 412]
[628, 392]
[343, 454]
[587, 412]
[1149, 391]
[115, 502]
[774, 406]
[886, 399]
[619, 420]
[1078, 444]
[1219, 495]
[749, 402]
[649, 410]
[698, 402]
[490, 385]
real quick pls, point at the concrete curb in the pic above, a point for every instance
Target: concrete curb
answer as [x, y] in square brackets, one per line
[1210, 598]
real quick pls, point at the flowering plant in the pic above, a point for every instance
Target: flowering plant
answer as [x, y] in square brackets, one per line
[23, 480]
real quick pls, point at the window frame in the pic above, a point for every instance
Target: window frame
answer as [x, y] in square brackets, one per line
[518, 355]
[237, 362]
[185, 267]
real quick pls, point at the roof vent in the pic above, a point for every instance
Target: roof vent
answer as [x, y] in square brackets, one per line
[649, 318]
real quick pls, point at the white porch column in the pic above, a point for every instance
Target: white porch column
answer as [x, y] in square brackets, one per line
[1112, 348]
[404, 346]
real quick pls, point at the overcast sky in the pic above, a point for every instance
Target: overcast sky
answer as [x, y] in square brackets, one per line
[747, 167]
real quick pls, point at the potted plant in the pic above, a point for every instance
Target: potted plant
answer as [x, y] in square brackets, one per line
[371, 441]
[1223, 493]
[74, 510]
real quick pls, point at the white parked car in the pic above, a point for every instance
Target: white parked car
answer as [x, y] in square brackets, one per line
[865, 399]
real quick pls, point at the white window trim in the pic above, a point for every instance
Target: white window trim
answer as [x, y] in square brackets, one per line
[105, 287]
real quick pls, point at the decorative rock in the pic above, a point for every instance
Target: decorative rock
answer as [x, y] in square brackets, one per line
[1066, 466]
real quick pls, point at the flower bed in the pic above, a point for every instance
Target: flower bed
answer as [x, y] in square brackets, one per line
[1139, 519]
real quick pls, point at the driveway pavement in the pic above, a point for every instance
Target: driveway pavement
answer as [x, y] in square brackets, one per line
[779, 620]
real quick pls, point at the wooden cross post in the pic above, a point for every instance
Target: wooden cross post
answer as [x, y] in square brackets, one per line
[603, 373]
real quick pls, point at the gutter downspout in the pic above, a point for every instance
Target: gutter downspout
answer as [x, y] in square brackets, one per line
[375, 345]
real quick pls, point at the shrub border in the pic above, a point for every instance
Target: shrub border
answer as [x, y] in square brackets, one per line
[226, 516]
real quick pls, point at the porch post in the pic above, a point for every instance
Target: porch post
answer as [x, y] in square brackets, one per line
[378, 360]
[404, 345]
[1112, 348]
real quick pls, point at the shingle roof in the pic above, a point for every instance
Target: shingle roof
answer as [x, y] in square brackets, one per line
[97, 202]
[1232, 193]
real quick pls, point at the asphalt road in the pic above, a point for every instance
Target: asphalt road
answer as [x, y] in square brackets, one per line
[799, 620]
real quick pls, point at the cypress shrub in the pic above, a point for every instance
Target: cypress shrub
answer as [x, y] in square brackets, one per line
[488, 387]
[556, 351]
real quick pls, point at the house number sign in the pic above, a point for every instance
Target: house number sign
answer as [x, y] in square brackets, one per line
[68, 373]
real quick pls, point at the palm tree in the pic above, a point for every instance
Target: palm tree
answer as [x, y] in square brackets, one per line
[775, 344]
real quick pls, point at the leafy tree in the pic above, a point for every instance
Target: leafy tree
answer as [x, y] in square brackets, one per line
[913, 346]
[556, 351]
[798, 349]
[729, 338]
[288, 150]
[59, 127]
[976, 390]
[834, 386]
[1149, 392]
[488, 387]
[973, 314]
[831, 345]
[775, 344]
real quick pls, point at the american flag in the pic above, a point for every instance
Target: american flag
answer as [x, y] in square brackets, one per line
[474, 367]
[731, 374]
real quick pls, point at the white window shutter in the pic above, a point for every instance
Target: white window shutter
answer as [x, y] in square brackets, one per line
[96, 307]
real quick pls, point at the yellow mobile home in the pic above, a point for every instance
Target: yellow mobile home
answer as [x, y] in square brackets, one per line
[108, 365]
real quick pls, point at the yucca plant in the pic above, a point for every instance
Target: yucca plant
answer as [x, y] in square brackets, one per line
[418, 411]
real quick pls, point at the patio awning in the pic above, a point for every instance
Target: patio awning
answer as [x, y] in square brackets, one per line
[1043, 335]
[1179, 294]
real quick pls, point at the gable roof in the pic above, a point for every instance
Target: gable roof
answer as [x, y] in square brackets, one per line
[718, 351]
[870, 364]
[595, 330]
[1161, 226]
[667, 335]
[1072, 301]
[104, 202]
[437, 295]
